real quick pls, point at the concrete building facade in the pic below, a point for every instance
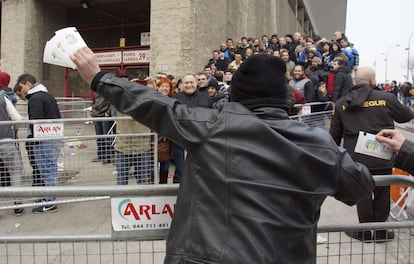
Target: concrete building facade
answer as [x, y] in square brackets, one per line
[183, 32]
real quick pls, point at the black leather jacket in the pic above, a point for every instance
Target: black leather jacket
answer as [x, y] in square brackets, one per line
[405, 157]
[253, 183]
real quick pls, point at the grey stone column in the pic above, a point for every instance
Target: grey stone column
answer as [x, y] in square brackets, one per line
[185, 32]
[26, 26]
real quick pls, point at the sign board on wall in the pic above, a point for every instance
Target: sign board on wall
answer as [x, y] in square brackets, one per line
[135, 56]
[112, 57]
[125, 57]
[145, 38]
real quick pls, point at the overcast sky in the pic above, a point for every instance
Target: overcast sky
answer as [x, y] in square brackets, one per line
[375, 27]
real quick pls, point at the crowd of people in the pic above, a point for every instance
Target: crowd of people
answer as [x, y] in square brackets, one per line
[265, 78]
[317, 70]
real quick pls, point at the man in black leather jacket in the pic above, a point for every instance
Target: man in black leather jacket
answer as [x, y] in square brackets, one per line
[243, 198]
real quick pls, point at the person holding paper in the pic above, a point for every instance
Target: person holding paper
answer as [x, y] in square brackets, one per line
[243, 198]
[365, 110]
[404, 148]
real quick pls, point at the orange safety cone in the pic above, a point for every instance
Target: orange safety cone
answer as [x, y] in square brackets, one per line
[398, 190]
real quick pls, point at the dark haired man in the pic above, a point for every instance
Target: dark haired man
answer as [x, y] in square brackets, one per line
[42, 105]
[343, 78]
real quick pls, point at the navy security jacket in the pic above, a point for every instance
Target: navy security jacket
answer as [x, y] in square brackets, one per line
[366, 109]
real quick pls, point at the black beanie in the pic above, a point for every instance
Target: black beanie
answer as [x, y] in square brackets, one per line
[261, 76]
[213, 83]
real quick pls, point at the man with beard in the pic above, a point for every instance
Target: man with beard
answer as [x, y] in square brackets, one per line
[301, 83]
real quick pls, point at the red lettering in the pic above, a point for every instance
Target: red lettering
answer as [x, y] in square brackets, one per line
[167, 210]
[130, 209]
[144, 210]
[154, 209]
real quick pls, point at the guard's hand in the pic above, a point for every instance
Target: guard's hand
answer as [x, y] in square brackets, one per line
[86, 63]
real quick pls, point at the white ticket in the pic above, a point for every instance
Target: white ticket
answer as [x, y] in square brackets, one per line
[366, 144]
[57, 48]
[53, 57]
[71, 39]
[61, 46]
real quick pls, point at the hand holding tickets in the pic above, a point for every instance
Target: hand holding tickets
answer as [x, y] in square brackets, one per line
[64, 43]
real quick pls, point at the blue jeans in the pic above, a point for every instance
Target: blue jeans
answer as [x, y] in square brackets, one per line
[142, 164]
[47, 153]
[164, 169]
[104, 146]
[177, 154]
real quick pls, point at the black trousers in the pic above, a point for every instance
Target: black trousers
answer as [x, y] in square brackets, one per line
[377, 207]
[37, 179]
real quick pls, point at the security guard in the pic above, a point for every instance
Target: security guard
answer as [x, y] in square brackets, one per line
[368, 109]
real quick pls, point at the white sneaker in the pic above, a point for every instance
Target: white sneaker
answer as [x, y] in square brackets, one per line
[321, 240]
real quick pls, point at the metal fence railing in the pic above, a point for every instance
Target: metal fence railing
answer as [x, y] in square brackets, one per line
[149, 247]
[317, 114]
[85, 188]
[70, 107]
[78, 148]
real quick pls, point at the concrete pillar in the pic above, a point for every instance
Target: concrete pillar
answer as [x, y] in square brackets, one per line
[301, 16]
[13, 37]
[185, 32]
[26, 26]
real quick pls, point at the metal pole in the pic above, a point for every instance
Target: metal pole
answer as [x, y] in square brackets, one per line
[386, 62]
[375, 62]
[408, 56]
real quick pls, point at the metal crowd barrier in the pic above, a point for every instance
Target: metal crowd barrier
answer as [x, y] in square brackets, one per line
[316, 114]
[86, 185]
[78, 149]
[70, 107]
[149, 247]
